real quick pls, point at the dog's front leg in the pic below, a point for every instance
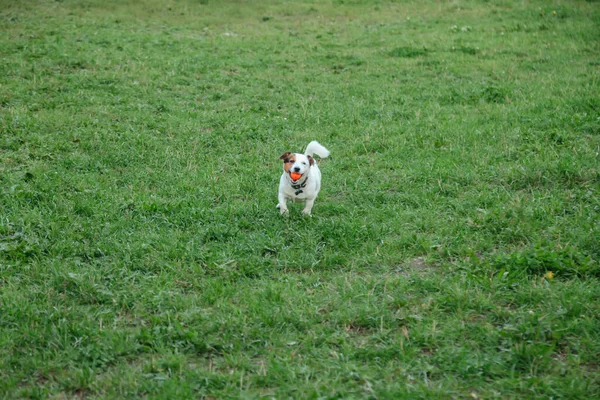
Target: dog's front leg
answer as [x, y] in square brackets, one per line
[308, 207]
[282, 204]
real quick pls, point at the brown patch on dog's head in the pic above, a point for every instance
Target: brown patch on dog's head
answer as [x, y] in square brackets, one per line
[311, 160]
[288, 160]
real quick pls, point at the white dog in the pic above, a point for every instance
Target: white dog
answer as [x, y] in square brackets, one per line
[301, 178]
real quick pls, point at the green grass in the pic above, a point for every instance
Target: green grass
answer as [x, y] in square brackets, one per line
[453, 251]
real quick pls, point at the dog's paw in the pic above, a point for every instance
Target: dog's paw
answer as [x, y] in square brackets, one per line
[283, 211]
[306, 213]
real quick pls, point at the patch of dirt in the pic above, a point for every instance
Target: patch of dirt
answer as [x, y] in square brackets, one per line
[415, 266]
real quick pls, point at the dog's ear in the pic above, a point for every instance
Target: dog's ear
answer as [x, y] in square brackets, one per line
[285, 156]
[311, 160]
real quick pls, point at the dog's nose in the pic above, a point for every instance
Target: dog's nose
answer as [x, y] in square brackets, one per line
[297, 169]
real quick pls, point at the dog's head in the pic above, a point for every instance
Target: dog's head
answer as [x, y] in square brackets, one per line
[294, 163]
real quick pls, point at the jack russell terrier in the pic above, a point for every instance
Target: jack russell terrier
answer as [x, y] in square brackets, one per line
[301, 178]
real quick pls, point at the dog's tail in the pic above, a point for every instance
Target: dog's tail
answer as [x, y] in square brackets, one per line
[315, 147]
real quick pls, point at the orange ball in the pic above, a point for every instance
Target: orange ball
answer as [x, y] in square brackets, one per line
[295, 176]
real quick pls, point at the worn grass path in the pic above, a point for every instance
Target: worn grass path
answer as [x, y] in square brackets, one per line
[452, 253]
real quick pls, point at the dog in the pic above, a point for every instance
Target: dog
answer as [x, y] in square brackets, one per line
[301, 178]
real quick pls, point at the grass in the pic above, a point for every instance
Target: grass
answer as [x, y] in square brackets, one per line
[453, 251]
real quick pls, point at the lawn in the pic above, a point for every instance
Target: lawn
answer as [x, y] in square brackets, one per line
[453, 251]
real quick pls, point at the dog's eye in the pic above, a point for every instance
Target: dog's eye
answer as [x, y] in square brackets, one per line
[303, 163]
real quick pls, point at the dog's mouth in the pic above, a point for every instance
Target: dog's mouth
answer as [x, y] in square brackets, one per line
[295, 176]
